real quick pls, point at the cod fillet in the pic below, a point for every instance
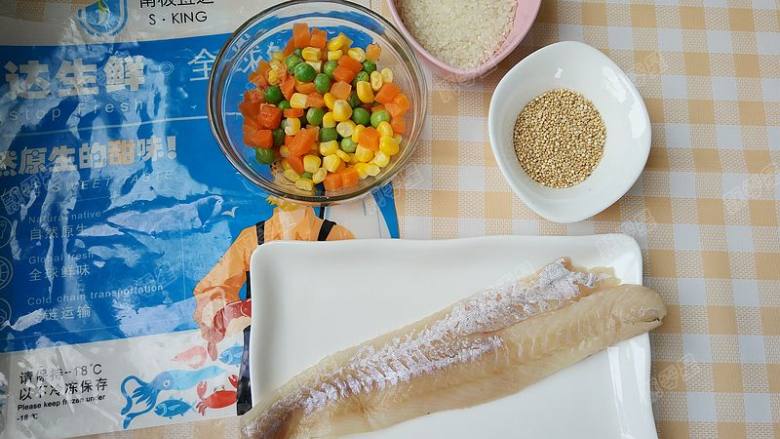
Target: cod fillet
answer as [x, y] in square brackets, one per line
[485, 347]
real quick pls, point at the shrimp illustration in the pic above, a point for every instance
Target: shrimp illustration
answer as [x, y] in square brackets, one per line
[231, 319]
[146, 392]
[219, 399]
[195, 356]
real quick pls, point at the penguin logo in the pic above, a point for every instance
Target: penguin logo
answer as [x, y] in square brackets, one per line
[104, 17]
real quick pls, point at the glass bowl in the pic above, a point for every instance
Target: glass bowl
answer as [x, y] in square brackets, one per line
[269, 31]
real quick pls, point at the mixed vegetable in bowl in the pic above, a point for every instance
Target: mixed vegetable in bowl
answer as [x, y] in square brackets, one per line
[323, 112]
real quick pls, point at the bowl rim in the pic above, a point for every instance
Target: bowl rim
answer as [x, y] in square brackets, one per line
[213, 101]
[508, 47]
[519, 189]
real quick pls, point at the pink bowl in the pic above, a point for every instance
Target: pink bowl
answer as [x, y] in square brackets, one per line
[525, 15]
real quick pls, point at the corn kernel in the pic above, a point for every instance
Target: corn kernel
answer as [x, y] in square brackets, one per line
[356, 132]
[381, 159]
[292, 126]
[286, 165]
[311, 54]
[277, 55]
[341, 110]
[345, 128]
[363, 154]
[352, 158]
[304, 184]
[361, 170]
[328, 121]
[273, 77]
[387, 75]
[331, 162]
[319, 176]
[328, 148]
[298, 100]
[372, 170]
[385, 129]
[329, 99]
[334, 55]
[276, 64]
[311, 163]
[398, 138]
[357, 54]
[343, 156]
[316, 64]
[376, 80]
[388, 145]
[291, 175]
[340, 41]
[284, 152]
[364, 92]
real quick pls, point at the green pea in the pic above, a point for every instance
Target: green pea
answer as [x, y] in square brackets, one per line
[329, 67]
[362, 76]
[369, 66]
[306, 175]
[284, 105]
[265, 156]
[348, 145]
[278, 137]
[292, 61]
[322, 83]
[354, 101]
[273, 94]
[304, 72]
[361, 116]
[314, 116]
[379, 116]
[328, 134]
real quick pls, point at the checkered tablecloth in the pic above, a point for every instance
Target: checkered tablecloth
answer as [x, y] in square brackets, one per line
[705, 211]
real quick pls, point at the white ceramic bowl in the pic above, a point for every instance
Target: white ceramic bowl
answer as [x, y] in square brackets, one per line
[579, 67]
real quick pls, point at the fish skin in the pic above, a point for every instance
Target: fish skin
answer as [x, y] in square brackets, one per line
[498, 362]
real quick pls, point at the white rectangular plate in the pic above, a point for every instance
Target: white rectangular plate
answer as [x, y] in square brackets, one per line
[313, 299]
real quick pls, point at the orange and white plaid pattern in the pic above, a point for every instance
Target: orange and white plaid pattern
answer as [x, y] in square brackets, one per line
[705, 211]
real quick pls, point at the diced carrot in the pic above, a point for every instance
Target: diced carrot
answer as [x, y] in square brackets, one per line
[402, 100]
[248, 109]
[296, 163]
[379, 107]
[290, 47]
[265, 139]
[350, 63]
[319, 38]
[270, 116]
[343, 74]
[315, 100]
[399, 125]
[304, 87]
[293, 112]
[394, 110]
[303, 141]
[349, 177]
[288, 140]
[373, 51]
[387, 93]
[369, 138]
[260, 76]
[250, 130]
[301, 35]
[258, 138]
[252, 121]
[341, 90]
[288, 87]
[332, 182]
